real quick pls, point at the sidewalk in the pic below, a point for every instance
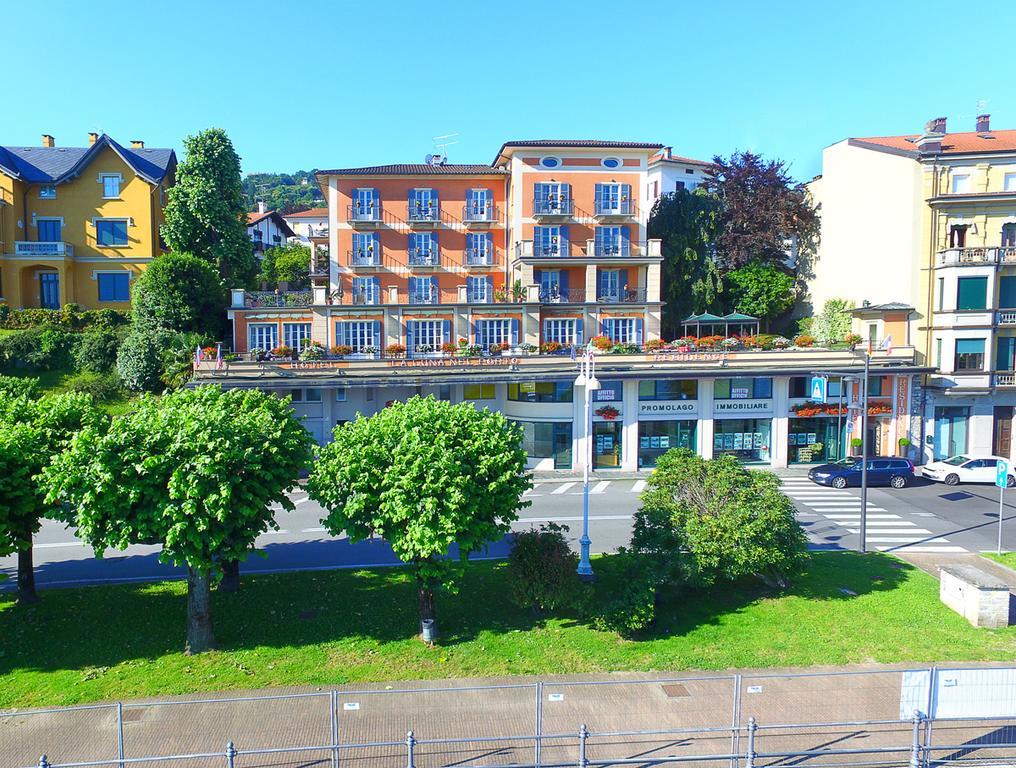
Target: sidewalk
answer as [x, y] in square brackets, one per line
[502, 715]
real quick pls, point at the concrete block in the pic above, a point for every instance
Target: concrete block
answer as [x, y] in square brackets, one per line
[980, 598]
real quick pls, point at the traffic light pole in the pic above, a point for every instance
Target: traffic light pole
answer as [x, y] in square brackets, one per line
[864, 454]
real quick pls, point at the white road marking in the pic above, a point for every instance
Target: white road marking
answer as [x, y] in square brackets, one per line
[563, 488]
[304, 500]
[275, 533]
[638, 487]
[890, 530]
[921, 549]
[535, 486]
[851, 516]
[889, 539]
[59, 544]
[312, 530]
[600, 486]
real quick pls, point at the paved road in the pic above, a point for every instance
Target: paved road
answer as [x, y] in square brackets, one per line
[302, 544]
[925, 518]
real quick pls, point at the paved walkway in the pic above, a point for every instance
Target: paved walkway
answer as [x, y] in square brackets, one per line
[502, 714]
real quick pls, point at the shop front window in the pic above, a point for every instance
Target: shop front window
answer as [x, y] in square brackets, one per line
[606, 445]
[759, 388]
[668, 389]
[950, 431]
[746, 439]
[658, 437]
[548, 439]
[814, 441]
[540, 391]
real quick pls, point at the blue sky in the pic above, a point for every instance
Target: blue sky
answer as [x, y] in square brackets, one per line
[334, 84]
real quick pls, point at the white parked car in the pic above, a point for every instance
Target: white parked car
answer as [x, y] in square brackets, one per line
[965, 469]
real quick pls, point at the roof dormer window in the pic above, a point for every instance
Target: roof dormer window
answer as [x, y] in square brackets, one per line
[47, 192]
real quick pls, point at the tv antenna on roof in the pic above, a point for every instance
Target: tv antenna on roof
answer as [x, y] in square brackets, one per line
[440, 142]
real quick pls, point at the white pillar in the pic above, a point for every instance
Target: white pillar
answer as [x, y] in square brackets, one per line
[780, 433]
[630, 425]
[704, 432]
[580, 437]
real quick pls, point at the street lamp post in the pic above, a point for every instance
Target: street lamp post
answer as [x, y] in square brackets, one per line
[587, 380]
[864, 454]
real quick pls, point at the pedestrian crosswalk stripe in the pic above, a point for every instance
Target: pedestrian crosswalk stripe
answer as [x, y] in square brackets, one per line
[857, 516]
[600, 487]
[639, 486]
[920, 548]
[535, 486]
[871, 530]
[563, 488]
[903, 539]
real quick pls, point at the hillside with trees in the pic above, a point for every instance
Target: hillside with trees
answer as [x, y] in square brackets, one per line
[283, 192]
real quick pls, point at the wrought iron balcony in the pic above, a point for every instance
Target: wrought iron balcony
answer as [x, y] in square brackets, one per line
[366, 298]
[553, 207]
[42, 248]
[364, 214]
[430, 297]
[480, 257]
[612, 250]
[258, 299]
[422, 213]
[614, 208]
[566, 296]
[358, 257]
[623, 296]
[432, 259]
[481, 213]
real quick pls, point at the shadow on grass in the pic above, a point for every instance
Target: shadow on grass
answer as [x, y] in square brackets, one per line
[102, 626]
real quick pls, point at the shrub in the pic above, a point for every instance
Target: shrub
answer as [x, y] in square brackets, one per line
[19, 386]
[779, 342]
[632, 607]
[176, 356]
[95, 350]
[804, 340]
[71, 317]
[684, 341]
[46, 348]
[541, 570]
[138, 362]
[180, 292]
[602, 343]
[708, 342]
[731, 342]
[103, 387]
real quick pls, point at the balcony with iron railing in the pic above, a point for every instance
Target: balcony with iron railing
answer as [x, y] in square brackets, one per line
[481, 214]
[973, 257]
[614, 208]
[360, 257]
[563, 296]
[365, 298]
[1005, 317]
[424, 297]
[556, 207]
[364, 215]
[277, 299]
[424, 259]
[43, 248]
[528, 249]
[319, 266]
[424, 214]
[623, 296]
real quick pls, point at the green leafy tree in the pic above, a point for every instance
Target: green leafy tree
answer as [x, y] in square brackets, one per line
[764, 213]
[196, 471]
[18, 386]
[709, 520]
[180, 292]
[283, 192]
[833, 322]
[32, 434]
[424, 475]
[542, 570]
[686, 223]
[206, 214]
[138, 360]
[288, 263]
[764, 291]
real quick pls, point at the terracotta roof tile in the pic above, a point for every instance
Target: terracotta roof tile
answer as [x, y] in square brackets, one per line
[952, 143]
[417, 169]
[310, 213]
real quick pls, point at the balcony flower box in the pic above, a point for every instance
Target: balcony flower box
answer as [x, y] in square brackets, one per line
[313, 351]
[395, 350]
[341, 350]
[607, 412]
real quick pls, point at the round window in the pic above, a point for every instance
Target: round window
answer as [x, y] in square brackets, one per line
[611, 162]
[550, 162]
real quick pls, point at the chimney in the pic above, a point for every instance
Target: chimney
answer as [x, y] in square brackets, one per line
[137, 144]
[262, 208]
[930, 142]
[983, 124]
[48, 141]
[668, 152]
[92, 138]
[936, 125]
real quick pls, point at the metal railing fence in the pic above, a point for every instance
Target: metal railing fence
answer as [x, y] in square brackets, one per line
[822, 719]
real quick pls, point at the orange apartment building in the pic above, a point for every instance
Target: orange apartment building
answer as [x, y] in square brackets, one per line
[545, 244]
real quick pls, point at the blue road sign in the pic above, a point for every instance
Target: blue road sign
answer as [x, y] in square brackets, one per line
[1001, 473]
[818, 388]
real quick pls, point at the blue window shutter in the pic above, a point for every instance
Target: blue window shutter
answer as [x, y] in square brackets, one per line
[566, 191]
[489, 295]
[446, 333]
[544, 332]
[603, 284]
[626, 201]
[603, 327]
[539, 193]
[599, 240]
[410, 336]
[625, 242]
[472, 332]
[563, 240]
[622, 280]
[413, 243]
[538, 276]
[638, 330]
[435, 296]
[472, 241]
[579, 329]
[515, 332]
[375, 238]
[377, 334]
[598, 195]
[563, 283]
[376, 288]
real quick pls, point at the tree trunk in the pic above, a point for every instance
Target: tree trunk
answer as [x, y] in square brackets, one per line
[199, 612]
[426, 599]
[26, 578]
[230, 576]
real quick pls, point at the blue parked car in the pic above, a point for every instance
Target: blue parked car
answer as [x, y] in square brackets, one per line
[896, 473]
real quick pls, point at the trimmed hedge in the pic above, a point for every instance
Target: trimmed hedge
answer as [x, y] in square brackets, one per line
[72, 317]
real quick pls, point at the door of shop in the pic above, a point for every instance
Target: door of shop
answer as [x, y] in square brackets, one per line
[1002, 433]
[950, 431]
[606, 445]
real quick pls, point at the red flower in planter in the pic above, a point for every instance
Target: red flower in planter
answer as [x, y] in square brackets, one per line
[608, 412]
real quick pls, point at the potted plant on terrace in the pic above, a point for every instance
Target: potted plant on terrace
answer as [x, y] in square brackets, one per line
[856, 443]
[852, 340]
[550, 348]
[905, 444]
[313, 351]
[395, 350]
[282, 351]
[341, 350]
[500, 348]
[602, 343]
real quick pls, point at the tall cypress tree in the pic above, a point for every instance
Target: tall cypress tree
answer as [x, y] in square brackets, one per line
[206, 215]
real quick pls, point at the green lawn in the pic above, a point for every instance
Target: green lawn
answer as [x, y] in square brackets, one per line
[326, 628]
[58, 380]
[1006, 558]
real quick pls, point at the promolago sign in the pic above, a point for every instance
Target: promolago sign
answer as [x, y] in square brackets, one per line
[743, 406]
[666, 407]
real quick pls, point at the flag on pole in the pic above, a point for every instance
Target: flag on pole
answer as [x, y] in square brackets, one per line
[218, 355]
[887, 344]
[197, 355]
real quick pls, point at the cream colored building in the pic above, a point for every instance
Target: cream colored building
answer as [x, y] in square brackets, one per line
[928, 221]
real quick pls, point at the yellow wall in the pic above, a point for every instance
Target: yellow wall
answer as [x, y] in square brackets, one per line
[78, 202]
